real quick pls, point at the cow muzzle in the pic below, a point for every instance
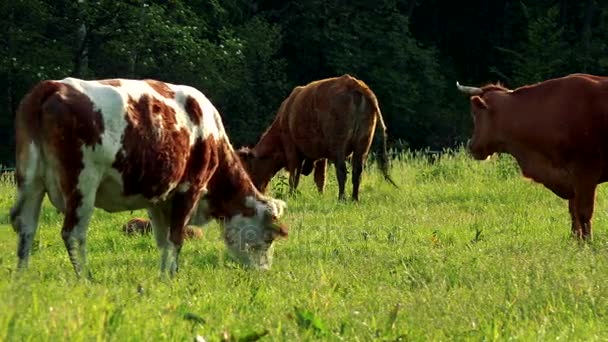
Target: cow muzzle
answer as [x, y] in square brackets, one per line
[476, 151]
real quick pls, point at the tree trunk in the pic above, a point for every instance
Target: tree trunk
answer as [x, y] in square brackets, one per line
[7, 153]
[586, 33]
[81, 51]
[563, 13]
[11, 63]
[410, 8]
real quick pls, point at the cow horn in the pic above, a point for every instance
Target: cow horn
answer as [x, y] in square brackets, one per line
[469, 90]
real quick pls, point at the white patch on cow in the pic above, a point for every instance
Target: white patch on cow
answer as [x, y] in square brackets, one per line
[208, 126]
[112, 103]
[51, 184]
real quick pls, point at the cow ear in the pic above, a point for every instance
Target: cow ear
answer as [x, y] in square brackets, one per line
[478, 102]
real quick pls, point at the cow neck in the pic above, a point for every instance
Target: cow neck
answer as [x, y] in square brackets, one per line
[270, 141]
[229, 186]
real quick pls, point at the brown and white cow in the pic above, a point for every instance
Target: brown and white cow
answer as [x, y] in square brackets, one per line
[129, 144]
[326, 119]
[557, 130]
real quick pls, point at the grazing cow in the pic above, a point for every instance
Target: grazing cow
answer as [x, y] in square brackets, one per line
[325, 119]
[137, 226]
[193, 233]
[557, 130]
[143, 227]
[129, 144]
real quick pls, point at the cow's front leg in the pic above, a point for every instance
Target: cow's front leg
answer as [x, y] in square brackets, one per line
[584, 199]
[182, 208]
[294, 179]
[319, 175]
[294, 166]
[340, 163]
[159, 218]
[576, 228]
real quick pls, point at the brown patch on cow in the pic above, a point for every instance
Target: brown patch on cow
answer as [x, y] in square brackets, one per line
[69, 122]
[161, 88]
[111, 82]
[28, 123]
[229, 185]
[154, 154]
[194, 110]
[201, 166]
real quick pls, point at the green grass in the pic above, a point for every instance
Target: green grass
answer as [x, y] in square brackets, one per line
[464, 250]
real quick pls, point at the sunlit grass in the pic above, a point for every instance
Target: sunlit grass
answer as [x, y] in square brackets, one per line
[464, 250]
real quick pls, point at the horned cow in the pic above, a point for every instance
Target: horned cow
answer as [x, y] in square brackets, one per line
[123, 144]
[557, 130]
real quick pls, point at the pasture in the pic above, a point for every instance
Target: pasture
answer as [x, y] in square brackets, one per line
[464, 250]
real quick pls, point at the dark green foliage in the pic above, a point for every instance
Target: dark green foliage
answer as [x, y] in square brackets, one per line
[246, 56]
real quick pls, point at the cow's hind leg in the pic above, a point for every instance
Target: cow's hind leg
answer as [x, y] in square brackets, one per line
[357, 162]
[24, 217]
[79, 210]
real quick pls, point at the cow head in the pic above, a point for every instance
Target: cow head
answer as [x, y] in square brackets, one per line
[261, 168]
[484, 141]
[250, 238]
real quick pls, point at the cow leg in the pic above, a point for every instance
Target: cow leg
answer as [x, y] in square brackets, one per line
[340, 163]
[24, 217]
[294, 179]
[159, 218]
[357, 162]
[182, 209]
[577, 231]
[294, 166]
[584, 198]
[320, 167]
[79, 209]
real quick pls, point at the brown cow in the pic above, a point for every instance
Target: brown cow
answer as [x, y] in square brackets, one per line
[557, 130]
[124, 145]
[325, 119]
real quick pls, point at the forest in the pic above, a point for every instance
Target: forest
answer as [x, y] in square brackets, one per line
[247, 55]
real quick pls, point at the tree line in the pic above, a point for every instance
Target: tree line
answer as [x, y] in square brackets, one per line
[247, 55]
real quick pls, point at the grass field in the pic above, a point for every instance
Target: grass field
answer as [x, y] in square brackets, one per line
[464, 250]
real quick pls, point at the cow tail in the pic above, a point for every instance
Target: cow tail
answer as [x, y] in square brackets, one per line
[28, 121]
[370, 104]
[382, 158]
